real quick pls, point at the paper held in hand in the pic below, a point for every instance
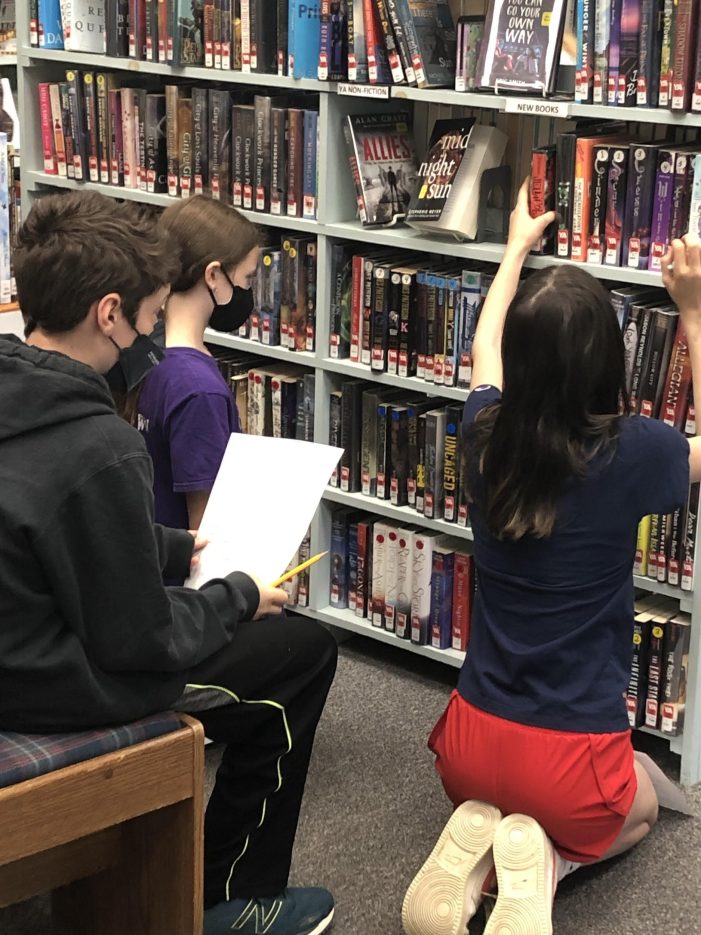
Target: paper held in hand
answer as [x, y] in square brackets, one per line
[263, 500]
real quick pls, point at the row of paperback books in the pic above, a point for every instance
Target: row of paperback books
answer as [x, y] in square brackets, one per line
[404, 313]
[256, 153]
[666, 545]
[284, 291]
[411, 582]
[620, 202]
[656, 695]
[644, 53]
[274, 400]
[400, 447]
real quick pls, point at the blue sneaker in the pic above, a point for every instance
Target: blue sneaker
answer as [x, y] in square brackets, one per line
[296, 911]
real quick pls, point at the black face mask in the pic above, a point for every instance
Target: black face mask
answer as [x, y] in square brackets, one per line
[134, 363]
[231, 315]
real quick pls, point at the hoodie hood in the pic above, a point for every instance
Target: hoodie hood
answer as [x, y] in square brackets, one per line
[44, 388]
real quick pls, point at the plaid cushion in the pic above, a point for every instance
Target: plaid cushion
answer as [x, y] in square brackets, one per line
[24, 756]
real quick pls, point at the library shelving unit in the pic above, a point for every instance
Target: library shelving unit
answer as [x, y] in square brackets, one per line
[336, 213]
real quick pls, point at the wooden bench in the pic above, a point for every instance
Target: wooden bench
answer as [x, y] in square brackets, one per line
[118, 838]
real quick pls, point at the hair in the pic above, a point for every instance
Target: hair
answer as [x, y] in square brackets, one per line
[77, 247]
[564, 394]
[204, 231]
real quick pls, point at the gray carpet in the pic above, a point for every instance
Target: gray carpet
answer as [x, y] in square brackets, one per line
[374, 807]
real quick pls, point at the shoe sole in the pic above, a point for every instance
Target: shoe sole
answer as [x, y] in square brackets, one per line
[445, 893]
[323, 925]
[524, 863]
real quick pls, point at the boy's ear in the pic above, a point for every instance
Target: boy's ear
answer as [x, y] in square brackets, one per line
[210, 272]
[107, 312]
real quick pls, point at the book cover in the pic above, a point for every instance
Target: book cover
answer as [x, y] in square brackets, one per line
[437, 173]
[84, 29]
[664, 328]
[483, 150]
[305, 38]
[521, 47]
[49, 25]
[188, 45]
[434, 35]
[422, 567]
[441, 619]
[386, 164]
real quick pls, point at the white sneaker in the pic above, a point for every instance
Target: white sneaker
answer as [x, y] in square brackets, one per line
[526, 869]
[447, 890]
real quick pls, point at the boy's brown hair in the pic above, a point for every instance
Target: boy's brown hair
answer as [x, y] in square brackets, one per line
[77, 247]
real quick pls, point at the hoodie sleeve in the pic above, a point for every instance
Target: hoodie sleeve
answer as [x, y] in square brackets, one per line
[175, 548]
[101, 552]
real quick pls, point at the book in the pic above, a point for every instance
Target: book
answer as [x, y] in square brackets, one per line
[584, 75]
[384, 152]
[542, 194]
[676, 661]
[682, 58]
[483, 149]
[521, 46]
[84, 27]
[602, 33]
[431, 32]
[627, 85]
[615, 205]
[422, 567]
[404, 582]
[635, 237]
[661, 208]
[636, 692]
[441, 619]
[377, 589]
[463, 589]
[391, 579]
[601, 155]
[357, 52]
[649, 49]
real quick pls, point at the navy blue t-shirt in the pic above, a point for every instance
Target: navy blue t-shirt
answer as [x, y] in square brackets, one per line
[551, 639]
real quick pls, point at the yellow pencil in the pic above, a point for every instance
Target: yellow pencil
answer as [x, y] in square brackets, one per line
[295, 571]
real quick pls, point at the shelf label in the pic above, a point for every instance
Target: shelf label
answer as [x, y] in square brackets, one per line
[537, 107]
[362, 90]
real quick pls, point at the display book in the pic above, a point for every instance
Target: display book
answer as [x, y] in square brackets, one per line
[442, 194]
[639, 53]
[409, 581]
[403, 41]
[254, 151]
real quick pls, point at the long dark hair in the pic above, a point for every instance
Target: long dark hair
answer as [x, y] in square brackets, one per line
[564, 393]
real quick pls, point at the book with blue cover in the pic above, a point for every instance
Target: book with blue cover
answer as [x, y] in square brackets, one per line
[305, 38]
[50, 26]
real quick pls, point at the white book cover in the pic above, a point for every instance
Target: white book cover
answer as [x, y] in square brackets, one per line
[485, 150]
[380, 533]
[84, 25]
[391, 573]
[422, 566]
[405, 553]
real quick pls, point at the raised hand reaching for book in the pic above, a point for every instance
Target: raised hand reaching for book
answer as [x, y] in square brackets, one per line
[681, 275]
[524, 232]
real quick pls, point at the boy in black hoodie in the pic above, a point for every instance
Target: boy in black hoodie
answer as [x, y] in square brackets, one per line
[90, 636]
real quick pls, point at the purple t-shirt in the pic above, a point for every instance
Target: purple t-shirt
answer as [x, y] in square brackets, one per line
[186, 415]
[552, 625]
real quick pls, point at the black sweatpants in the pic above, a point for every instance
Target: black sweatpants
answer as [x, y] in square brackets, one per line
[274, 678]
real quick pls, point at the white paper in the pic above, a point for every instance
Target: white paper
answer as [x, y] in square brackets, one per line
[262, 502]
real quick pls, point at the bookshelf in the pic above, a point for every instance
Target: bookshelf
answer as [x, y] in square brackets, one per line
[336, 213]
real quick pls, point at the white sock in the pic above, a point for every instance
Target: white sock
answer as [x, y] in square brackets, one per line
[565, 867]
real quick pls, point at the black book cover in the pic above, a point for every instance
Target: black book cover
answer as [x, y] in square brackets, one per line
[156, 157]
[220, 144]
[278, 162]
[76, 105]
[399, 455]
[200, 140]
[351, 421]
[261, 179]
[642, 174]
[117, 28]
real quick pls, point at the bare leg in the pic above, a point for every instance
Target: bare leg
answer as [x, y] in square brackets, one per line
[641, 818]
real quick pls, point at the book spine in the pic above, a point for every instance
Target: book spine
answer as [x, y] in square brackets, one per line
[399, 455]
[662, 209]
[681, 196]
[402, 615]
[325, 40]
[338, 341]
[394, 321]
[59, 143]
[415, 51]
[584, 75]
[677, 383]
[630, 54]
[406, 359]
[451, 464]
[654, 678]
[664, 327]
[356, 310]
[642, 547]
[278, 166]
[463, 586]
[172, 92]
[654, 546]
[696, 87]
[642, 171]
[597, 211]
[226, 64]
[338, 594]
[295, 162]
[676, 668]
[664, 96]
[368, 445]
[685, 15]
[185, 147]
[675, 548]
[647, 87]
[379, 318]
[200, 141]
[542, 194]
[34, 23]
[442, 572]
[689, 540]
[615, 205]
[384, 416]
[77, 111]
[419, 495]
[391, 579]
[582, 198]
[129, 141]
[350, 436]
[390, 44]
[47, 138]
[364, 568]
[309, 184]
[564, 163]
[91, 129]
[102, 83]
[379, 556]
[421, 587]
[335, 433]
[435, 459]
[282, 36]
[117, 138]
[371, 40]
[641, 358]
[156, 161]
[262, 152]
[637, 684]
[602, 27]
[310, 274]
[367, 311]
[614, 54]
[663, 548]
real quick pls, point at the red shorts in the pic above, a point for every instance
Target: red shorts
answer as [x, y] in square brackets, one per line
[578, 787]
